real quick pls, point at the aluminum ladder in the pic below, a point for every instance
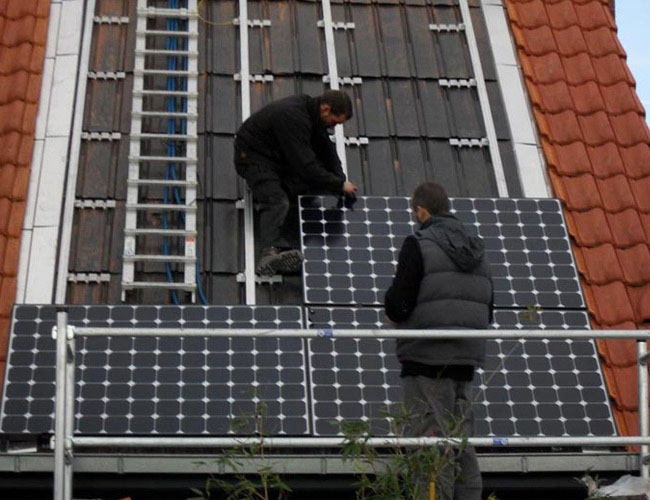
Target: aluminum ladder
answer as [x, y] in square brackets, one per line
[151, 102]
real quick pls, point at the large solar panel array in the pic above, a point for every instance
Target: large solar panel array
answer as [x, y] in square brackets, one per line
[526, 388]
[161, 385]
[351, 251]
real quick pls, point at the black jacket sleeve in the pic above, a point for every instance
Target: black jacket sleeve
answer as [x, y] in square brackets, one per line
[294, 137]
[402, 295]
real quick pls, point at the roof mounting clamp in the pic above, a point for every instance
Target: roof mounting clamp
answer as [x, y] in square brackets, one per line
[271, 280]
[356, 141]
[345, 80]
[336, 25]
[89, 277]
[470, 143]
[447, 27]
[255, 78]
[103, 204]
[458, 83]
[101, 136]
[111, 19]
[106, 75]
[254, 23]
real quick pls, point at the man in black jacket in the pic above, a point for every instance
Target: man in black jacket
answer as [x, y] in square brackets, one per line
[442, 282]
[284, 150]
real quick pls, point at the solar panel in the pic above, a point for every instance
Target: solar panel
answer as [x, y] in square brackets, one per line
[161, 385]
[526, 388]
[351, 251]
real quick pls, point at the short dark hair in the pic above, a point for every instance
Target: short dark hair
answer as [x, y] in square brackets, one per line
[432, 197]
[339, 102]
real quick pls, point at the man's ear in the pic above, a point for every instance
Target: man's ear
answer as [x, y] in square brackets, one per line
[325, 108]
[422, 213]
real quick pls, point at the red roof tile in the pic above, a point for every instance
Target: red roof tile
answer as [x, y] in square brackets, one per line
[615, 193]
[611, 69]
[635, 262]
[620, 98]
[594, 15]
[568, 159]
[641, 190]
[544, 69]
[601, 265]
[570, 41]
[597, 145]
[578, 69]
[596, 128]
[586, 98]
[580, 192]
[602, 42]
[606, 160]
[619, 352]
[22, 52]
[561, 14]
[626, 228]
[589, 228]
[637, 160]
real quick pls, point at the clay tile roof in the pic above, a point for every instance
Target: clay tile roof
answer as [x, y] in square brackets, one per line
[23, 33]
[597, 144]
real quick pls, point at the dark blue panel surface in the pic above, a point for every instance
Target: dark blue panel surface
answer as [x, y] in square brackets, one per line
[161, 385]
[351, 251]
[526, 388]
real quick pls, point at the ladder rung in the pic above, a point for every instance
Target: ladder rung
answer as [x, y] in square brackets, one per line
[161, 182]
[167, 33]
[171, 114]
[173, 159]
[161, 12]
[178, 137]
[158, 284]
[162, 232]
[161, 206]
[168, 72]
[158, 258]
[155, 52]
[178, 93]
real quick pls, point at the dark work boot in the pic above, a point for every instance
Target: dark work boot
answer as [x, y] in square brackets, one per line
[291, 262]
[270, 262]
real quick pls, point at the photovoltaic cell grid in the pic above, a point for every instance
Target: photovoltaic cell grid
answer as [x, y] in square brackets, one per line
[351, 251]
[526, 388]
[161, 385]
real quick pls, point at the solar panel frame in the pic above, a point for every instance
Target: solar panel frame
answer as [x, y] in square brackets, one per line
[351, 250]
[558, 390]
[161, 385]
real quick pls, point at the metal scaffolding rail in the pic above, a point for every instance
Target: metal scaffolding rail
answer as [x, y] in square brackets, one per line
[64, 441]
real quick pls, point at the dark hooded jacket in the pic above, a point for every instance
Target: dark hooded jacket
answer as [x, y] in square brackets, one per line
[455, 292]
[288, 138]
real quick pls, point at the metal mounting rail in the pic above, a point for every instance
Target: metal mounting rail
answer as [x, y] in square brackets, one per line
[180, 76]
[484, 99]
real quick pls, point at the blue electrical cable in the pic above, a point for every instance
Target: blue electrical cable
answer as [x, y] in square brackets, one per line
[170, 172]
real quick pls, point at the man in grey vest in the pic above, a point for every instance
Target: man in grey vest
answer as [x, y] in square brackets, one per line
[442, 282]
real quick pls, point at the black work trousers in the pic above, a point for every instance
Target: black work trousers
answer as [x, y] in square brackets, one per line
[272, 198]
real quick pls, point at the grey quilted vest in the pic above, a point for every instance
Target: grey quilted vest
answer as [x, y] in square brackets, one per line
[455, 293]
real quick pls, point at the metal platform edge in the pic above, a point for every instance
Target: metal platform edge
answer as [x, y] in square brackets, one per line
[122, 463]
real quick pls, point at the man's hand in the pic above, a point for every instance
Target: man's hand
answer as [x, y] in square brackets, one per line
[349, 188]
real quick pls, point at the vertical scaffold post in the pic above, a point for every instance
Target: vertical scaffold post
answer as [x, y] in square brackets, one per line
[62, 463]
[644, 426]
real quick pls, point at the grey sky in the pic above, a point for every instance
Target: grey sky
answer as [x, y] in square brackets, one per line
[633, 19]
